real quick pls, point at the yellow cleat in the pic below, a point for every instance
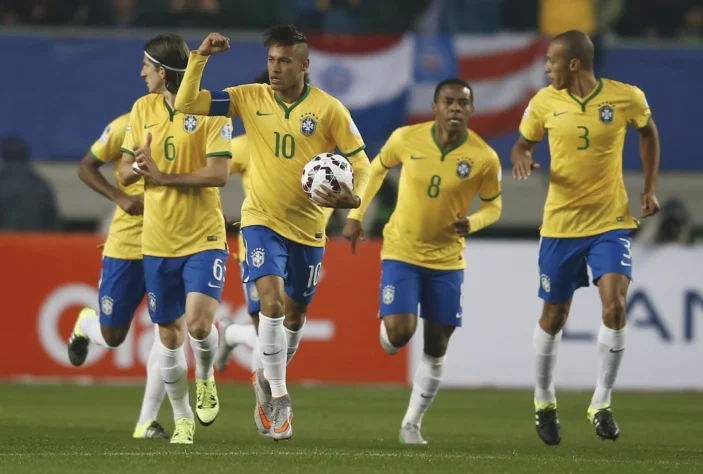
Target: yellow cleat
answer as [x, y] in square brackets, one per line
[78, 342]
[150, 429]
[207, 404]
[184, 432]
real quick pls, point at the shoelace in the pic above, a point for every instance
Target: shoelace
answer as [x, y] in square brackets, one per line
[207, 402]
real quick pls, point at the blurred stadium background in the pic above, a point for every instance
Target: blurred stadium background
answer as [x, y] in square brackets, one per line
[71, 66]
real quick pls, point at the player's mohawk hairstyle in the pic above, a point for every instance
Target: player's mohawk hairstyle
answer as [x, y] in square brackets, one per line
[284, 35]
[579, 46]
[455, 81]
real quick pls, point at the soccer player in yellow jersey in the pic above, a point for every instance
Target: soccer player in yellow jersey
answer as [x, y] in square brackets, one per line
[121, 287]
[287, 124]
[233, 334]
[587, 220]
[445, 165]
[184, 159]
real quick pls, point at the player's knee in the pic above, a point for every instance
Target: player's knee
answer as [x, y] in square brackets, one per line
[294, 321]
[200, 328]
[114, 337]
[615, 313]
[554, 317]
[273, 308]
[400, 331]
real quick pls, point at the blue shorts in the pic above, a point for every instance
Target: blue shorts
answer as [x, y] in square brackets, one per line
[121, 290]
[251, 294]
[438, 292]
[269, 253]
[169, 280]
[563, 262]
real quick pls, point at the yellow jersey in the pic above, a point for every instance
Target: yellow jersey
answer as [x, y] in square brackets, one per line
[179, 221]
[124, 241]
[435, 185]
[586, 137]
[240, 165]
[282, 139]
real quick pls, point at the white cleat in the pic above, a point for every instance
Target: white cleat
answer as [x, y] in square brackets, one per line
[410, 434]
[224, 351]
[263, 412]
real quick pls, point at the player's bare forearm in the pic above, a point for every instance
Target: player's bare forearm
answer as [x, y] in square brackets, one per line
[190, 99]
[126, 174]
[649, 151]
[376, 173]
[487, 215]
[521, 158]
[89, 173]
[215, 175]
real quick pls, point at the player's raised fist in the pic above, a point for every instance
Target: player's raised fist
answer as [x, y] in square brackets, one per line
[353, 231]
[214, 43]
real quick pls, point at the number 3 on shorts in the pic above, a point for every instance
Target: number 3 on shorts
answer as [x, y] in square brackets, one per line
[218, 271]
[627, 256]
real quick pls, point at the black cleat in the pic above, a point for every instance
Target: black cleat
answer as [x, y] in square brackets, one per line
[78, 342]
[603, 420]
[548, 427]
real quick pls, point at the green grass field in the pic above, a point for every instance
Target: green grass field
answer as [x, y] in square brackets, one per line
[49, 428]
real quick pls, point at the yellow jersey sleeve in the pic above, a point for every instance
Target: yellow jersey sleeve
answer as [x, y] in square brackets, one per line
[490, 187]
[240, 155]
[133, 133]
[107, 147]
[219, 137]
[532, 124]
[344, 131]
[638, 112]
[389, 156]
[190, 99]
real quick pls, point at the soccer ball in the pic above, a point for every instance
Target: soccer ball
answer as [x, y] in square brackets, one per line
[327, 169]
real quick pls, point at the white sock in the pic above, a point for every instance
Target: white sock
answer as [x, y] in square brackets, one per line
[155, 389]
[425, 387]
[385, 342]
[292, 341]
[256, 361]
[237, 334]
[272, 342]
[91, 328]
[174, 372]
[204, 352]
[611, 345]
[546, 348]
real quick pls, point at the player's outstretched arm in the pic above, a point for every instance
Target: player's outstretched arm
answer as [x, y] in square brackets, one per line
[89, 173]
[190, 99]
[353, 229]
[521, 158]
[649, 151]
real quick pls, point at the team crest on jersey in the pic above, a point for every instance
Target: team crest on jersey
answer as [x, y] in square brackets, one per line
[388, 294]
[257, 257]
[226, 131]
[308, 124]
[190, 123]
[463, 168]
[106, 305]
[545, 282]
[152, 301]
[606, 112]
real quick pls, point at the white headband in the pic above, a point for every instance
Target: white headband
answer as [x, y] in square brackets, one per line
[162, 64]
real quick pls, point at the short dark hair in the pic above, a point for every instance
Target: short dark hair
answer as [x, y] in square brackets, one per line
[14, 149]
[171, 52]
[455, 81]
[263, 78]
[577, 45]
[284, 35]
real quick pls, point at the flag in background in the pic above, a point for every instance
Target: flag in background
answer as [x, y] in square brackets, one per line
[371, 75]
[504, 70]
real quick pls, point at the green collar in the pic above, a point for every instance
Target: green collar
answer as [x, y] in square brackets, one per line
[595, 92]
[171, 112]
[451, 148]
[288, 109]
